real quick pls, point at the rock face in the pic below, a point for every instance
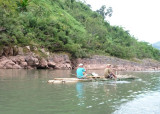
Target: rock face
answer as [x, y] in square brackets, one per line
[62, 61]
[34, 62]
[99, 62]
[15, 58]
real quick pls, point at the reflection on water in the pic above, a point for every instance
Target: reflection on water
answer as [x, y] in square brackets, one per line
[80, 90]
[26, 91]
[110, 88]
[80, 93]
[33, 74]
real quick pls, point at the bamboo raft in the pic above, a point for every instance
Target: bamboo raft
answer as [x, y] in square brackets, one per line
[90, 79]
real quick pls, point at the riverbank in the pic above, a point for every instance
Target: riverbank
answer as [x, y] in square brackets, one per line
[25, 58]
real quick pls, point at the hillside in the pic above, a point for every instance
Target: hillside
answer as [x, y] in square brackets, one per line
[156, 45]
[67, 26]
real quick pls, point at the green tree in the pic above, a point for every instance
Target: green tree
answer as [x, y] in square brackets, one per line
[105, 12]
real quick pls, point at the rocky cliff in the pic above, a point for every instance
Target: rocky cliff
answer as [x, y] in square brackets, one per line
[27, 58]
[18, 57]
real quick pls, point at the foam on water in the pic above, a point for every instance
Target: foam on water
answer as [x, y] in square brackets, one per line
[119, 82]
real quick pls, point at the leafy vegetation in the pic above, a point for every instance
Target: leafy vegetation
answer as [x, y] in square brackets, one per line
[67, 26]
[104, 13]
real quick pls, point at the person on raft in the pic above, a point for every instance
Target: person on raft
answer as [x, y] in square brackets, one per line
[108, 73]
[81, 72]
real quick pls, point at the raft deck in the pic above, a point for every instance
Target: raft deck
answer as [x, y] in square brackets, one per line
[89, 79]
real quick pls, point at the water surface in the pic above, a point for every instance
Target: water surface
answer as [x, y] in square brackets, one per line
[27, 92]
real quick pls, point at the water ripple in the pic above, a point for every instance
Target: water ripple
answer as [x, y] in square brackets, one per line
[148, 104]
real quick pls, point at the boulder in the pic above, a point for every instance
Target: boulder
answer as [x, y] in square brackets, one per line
[17, 59]
[32, 61]
[23, 64]
[16, 66]
[20, 51]
[6, 51]
[61, 61]
[28, 48]
[5, 62]
[51, 64]
[45, 52]
[9, 64]
[43, 63]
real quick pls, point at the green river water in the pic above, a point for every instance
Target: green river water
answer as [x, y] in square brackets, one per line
[27, 92]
